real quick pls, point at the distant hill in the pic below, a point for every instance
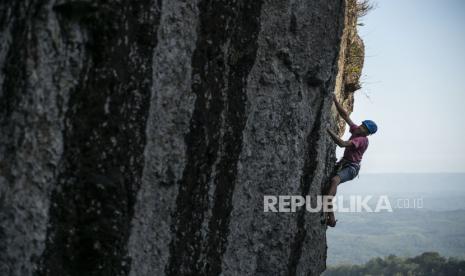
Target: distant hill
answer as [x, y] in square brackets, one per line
[439, 226]
[428, 263]
[402, 233]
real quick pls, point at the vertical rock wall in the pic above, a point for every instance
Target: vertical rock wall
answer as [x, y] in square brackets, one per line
[139, 137]
[351, 59]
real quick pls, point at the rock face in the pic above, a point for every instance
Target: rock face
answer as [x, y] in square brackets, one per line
[351, 58]
[139, 137]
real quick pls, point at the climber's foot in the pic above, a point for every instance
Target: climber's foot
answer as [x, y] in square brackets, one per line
[331, 219]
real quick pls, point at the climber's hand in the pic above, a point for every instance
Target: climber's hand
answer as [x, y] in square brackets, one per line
[330, 131]
[339, 141]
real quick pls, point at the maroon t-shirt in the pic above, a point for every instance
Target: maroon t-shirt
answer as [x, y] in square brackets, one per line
[360, 144]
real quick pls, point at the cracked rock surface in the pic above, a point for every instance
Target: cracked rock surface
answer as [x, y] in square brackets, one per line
[139, 137]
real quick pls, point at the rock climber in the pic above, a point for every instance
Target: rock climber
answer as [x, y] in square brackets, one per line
[349, 165]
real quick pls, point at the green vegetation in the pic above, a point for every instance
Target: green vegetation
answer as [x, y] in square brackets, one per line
[428, 263]
[363, 7]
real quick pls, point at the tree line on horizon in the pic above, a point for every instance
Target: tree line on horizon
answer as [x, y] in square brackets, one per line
[428, 263]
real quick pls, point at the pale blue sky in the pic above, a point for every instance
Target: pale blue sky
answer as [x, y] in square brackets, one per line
[414, 86]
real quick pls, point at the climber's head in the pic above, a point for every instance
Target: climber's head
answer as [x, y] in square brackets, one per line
[369, 126]
[361, 130]
[366, 128]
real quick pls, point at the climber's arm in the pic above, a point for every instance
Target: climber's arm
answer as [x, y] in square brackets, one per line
[342, 111]
[339, 141]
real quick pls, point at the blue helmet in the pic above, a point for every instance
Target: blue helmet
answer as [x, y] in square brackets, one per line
[371, 126]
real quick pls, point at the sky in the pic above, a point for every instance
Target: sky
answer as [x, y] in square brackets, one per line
[413, 86]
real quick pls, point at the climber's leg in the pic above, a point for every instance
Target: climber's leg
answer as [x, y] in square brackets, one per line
[333, 185]
[347, 173]
[330, 218]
